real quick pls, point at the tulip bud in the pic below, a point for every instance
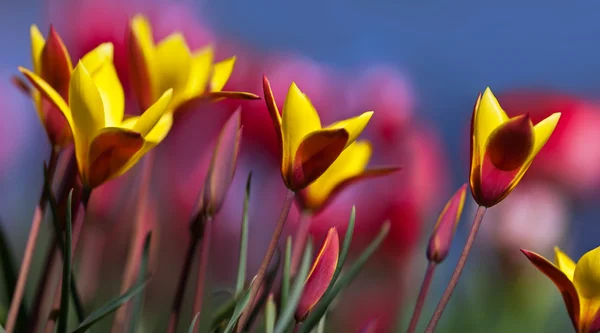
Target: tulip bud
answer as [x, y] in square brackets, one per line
[320, 275]
[441, 237]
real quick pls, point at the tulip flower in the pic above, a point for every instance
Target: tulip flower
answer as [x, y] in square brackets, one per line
[578, 283]
[52, 62]
[320, 275]
[106, 145]
[171, 64]
[347, 169]
[445, 227]
[307, 149]
[502, 149]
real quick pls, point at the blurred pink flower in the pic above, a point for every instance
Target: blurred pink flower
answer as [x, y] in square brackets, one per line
[570, 157]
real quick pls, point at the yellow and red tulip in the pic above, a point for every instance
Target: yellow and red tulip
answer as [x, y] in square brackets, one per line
[579, 285]
[171, 64]
[320, 275]
[106, 145]
[502, 148]
[307, 149]
[443, 232]
[52, 62]
[348, 168]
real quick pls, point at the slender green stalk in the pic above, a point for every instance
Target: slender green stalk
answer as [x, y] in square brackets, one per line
[204, 257]
[63, 320]
[300, 240]
[243, 258]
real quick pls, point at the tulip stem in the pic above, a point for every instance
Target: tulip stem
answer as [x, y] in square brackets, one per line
[185, 272]
[204, 255]
[260, 276]
[414, 320]
[457, 271]
[38, 216]
[138, 238]
[299, 240]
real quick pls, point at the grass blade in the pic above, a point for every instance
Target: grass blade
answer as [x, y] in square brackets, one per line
[139, 299]
[193, 324]
[237, 312]
[287, 264]
[270, 314]
[110, 307]
[321, 326]
[345, 246]
[63, 319]
[2, 329]
[222, 313]
[287, 314]
[319, 310]
[241, 277]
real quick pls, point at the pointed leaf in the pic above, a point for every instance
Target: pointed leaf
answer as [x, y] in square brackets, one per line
[239, 308]
[231, 95]
[241, 277]
[63, 320]
[287, 264]
[110, 307]
[345, 247]
[319, 310]
[287, 314]
[193, 324]
[222, 313]
[270, 314]
[138, 300]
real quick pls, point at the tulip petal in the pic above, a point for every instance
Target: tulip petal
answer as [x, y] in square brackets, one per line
[221, 72]
[172, 64]
[56, 64]
[445, 227]
[150, 117]
[274, 113]
[543, 130]
[200, 71]
[142, 32]
[98, 57]
[314, 156]
[320, 275]
[299, 118]
[222, 165]
[232, 95]
[587, 274]
[562, 282]
[351, 162]
[85, 103]
[139, 57]
[109, 86]
[488, 116]
[564, 263]
[110, 151]
[160, 130]
[354, 126]
[37, 44]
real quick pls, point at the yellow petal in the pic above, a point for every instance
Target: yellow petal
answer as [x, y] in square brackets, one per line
[221, 73]
[172, 67]
[488, 116]
[48, 92]
[587, 274]
[200, 72]
[37, 44]
[87, 111]
[354, 126]
[97, 57]
[109, 86]
[142, 31]
[150, 117]
[161, 129]
[351, 162]
[543, 130]
[564, 263]
[299, 118]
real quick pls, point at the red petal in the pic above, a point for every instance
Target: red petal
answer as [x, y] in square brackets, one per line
[20, 84]
[273, 111]
[562, 282]
[320, 275]
[56, 64]
[315, 155]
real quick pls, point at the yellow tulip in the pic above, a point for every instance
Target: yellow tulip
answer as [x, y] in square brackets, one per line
[502, 149]
[307, 149]
[578, 283]
[170, 64]
[347, 169]
[106, 145]
[52, 62]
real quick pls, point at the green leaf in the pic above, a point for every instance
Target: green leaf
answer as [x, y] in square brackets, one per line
[239, 308]
[287, 264]
[193, 324]
[321, 326]
[138, 300]
[2, 329]
[110, 307]
[270, 314]
[319, 310]
[241, 277]
[63, 319]
[287, 314]
[345, 247]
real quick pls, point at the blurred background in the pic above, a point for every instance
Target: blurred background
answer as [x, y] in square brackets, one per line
[419, 66]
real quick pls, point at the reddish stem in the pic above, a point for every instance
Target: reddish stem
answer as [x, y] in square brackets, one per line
[204, 257]
[414, 320]
[299, 241]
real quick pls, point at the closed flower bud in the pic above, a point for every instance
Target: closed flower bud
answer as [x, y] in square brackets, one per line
[443, 232]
